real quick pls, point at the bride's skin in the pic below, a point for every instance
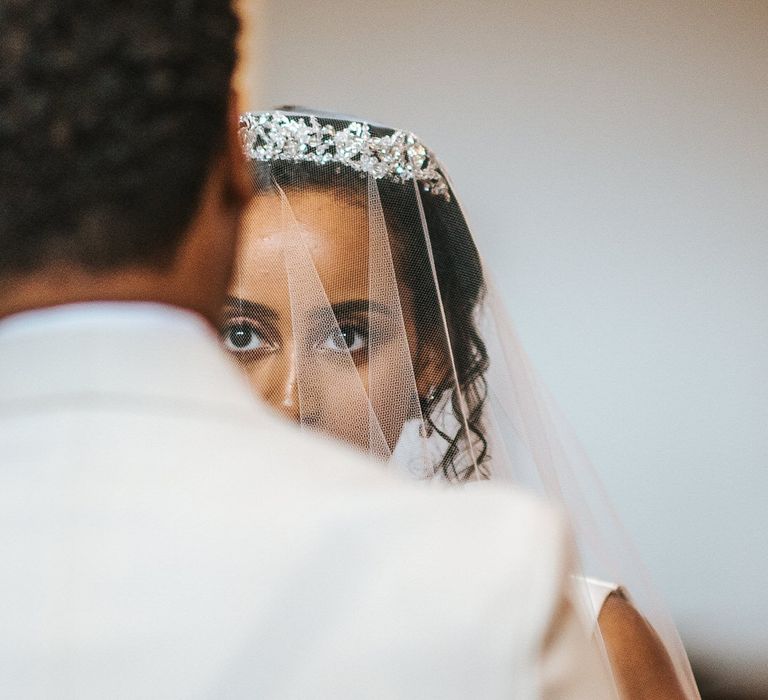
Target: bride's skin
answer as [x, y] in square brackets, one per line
[287, 344]
[258, 328]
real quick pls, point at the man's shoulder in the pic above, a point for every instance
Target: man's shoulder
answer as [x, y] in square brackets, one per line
[328, 464]
[314, 463]
[442, 524]
[468, 576]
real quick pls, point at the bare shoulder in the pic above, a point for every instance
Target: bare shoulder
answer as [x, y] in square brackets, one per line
[639, 660]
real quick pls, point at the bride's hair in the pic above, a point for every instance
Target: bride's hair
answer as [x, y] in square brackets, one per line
[461, 286]
[460, 281]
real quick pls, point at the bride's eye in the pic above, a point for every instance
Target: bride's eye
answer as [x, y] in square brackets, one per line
[348, 338]
[242, 336]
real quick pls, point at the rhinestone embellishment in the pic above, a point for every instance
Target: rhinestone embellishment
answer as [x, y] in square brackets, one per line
[398, 156]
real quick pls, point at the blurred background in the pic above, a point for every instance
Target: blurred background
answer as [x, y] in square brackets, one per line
[613, 159]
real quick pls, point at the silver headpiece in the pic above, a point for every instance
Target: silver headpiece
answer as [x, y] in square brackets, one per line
[399, 156]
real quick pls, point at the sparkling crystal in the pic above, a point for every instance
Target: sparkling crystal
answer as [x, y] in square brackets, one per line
[399, 156]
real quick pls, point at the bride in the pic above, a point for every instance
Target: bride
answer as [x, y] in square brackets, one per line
[360, 308]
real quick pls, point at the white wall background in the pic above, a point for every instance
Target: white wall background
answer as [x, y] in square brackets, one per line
[614, 160]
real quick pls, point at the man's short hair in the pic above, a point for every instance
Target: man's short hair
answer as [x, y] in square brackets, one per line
[110, 115]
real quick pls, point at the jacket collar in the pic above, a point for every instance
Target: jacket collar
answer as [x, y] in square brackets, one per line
[116, 352]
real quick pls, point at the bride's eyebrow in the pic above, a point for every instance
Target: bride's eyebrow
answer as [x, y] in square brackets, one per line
[359, 306]
[251, 308]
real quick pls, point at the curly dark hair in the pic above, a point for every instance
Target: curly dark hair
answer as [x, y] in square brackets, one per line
[460, 288]
[110, 114]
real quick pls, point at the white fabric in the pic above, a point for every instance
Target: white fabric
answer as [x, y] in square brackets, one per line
[163, 536]
[599, 592]
[596, 590]
[92, 315]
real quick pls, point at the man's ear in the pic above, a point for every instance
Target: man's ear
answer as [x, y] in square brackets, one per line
[241, 182]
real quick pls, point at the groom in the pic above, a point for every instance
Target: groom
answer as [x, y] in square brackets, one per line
[161, 534]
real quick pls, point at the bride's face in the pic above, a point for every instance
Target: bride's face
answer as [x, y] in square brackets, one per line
[314, 330]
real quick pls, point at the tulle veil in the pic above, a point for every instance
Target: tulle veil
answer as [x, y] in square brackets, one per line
[396, 340]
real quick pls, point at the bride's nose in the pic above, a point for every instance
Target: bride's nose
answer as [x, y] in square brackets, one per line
[282, 389]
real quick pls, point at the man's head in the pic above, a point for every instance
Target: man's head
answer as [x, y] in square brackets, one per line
[120, 174]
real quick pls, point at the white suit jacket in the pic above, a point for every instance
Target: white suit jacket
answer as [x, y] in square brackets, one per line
[164, 536]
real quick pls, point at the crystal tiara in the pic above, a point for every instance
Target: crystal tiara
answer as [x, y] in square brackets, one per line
[398, 156]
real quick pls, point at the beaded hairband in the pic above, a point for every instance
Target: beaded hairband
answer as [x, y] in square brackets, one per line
[398, 156]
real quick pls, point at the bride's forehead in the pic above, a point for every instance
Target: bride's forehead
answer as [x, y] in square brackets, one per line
[310, 204]
[331, 230]
[316, 236]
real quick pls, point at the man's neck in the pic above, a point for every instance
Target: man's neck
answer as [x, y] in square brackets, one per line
[65, 286]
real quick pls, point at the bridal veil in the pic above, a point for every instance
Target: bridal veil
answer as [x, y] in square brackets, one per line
[363, 309]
